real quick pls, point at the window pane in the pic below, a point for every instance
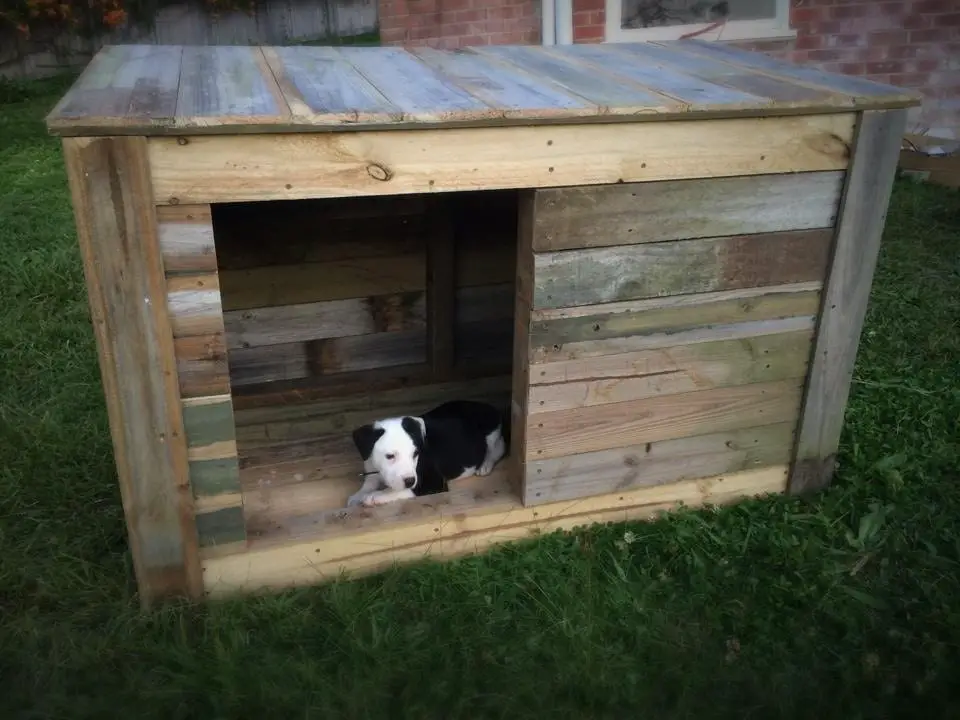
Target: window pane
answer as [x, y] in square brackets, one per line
[661, 13]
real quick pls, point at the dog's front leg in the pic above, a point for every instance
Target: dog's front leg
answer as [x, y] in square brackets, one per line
[382, 497]
[370, 484]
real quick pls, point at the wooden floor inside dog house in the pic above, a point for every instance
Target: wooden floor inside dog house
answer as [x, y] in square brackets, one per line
[340, 312]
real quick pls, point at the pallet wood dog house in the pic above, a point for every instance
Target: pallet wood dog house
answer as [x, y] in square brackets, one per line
[658, 255]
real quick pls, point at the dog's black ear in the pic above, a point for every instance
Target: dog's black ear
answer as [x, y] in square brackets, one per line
[365, 438]
[415, 428]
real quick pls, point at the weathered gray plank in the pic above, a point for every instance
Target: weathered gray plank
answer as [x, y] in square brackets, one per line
[586, 277]
[220, 82]
[215, 477]
[419, 91]
[781, 91]
[581, 217]
[514, 92]
[202, 365]
[846, 84]
[859, 230]
[123, 84]
[116, 227]
[221, 527]
[610, 93]
[656, 463]
[662, 79]
[318, 81]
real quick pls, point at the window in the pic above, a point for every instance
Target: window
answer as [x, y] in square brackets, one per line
[640, 20]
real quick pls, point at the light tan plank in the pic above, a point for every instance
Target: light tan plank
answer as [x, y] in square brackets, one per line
[202, 365]
[859, 231]
[658, 463]
[687, 368]
[604, 427]
[275, 167]
[680, 267]
[193, 302]
[186, 239]
[110, 188]
[448, 536]
[583, 217]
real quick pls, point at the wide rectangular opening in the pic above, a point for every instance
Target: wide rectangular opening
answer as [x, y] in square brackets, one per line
[343, 311]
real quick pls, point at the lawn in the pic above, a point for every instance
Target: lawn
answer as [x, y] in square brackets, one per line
[845, 605]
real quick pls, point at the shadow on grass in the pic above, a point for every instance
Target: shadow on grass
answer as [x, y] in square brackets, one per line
[841, 606]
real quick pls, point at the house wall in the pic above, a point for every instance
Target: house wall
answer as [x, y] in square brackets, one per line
[910, 43]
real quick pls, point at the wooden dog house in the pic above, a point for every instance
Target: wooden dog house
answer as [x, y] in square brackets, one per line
[659, 255]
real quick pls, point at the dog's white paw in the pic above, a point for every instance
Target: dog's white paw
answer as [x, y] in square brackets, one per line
[357, 499]
[372, 500]
[485, 469]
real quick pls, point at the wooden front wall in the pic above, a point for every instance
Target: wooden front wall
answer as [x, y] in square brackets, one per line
[664, 329]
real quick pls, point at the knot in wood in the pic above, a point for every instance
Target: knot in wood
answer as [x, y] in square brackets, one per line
[379, 172]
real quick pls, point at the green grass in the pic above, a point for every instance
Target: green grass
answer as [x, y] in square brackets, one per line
[846, 605]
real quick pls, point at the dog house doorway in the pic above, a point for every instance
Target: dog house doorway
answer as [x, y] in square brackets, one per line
[342, 311]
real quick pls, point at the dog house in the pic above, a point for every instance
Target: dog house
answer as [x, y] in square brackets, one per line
[657, 255]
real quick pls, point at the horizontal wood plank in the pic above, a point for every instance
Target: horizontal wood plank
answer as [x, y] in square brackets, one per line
[209, 169]
[554, 332]
[658, 463]
[215, 477]
[584, 277]
[221, 527]
[604, 427]
[584, 217]
[202, 365]
[208, 421]
[186, 239]
[193, 302]
[682, 369]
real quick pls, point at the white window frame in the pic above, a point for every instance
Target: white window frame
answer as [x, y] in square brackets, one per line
[772, 29]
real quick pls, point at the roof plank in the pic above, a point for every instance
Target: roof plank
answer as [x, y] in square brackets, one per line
[611, 94]
[321, 86]
[221, 82]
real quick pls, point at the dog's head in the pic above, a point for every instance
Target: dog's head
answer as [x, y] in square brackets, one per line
[392, 447]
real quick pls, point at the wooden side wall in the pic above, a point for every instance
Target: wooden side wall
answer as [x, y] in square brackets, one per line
[670, 328]
[382, 286]
[200, 346]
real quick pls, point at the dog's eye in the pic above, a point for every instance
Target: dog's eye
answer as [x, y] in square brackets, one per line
[390, 456]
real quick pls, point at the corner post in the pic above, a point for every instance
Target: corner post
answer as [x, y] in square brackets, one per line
[117, 230]
[860, 221]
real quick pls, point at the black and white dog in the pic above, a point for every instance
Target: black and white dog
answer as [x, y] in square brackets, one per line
[406, 457]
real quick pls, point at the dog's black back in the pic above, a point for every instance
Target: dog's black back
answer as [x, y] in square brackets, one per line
[456, 439]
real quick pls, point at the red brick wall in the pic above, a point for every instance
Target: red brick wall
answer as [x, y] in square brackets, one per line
[909, 43]
[459, 23]
[588, 21]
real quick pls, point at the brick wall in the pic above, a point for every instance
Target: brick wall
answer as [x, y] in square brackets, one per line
[588, 21]
[459, 23]
[909, 43]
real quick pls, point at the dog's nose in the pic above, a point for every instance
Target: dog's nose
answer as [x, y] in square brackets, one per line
[410, 481]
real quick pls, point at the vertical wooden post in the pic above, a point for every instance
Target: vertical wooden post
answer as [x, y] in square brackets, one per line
[860, 223]
[523, 306]
[117, 230]
[441, 288]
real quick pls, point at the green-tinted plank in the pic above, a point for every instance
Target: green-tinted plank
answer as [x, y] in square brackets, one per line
[221, 527]
[215, 477]
[208, 421]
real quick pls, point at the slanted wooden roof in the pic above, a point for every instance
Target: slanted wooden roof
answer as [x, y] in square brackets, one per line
[155, 90]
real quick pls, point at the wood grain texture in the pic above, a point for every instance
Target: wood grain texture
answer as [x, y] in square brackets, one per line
[582, 217]
[215, 477]
[523, 306]
[847, 290]
[554, 333]
[512, 91]
[610, 94]
[276, 167]
[208, 421]
[682, 369]
[781, 91]
[659, 463]
[186, 239]
[694, 92]
[228, 90]
[458, 528]
[603, 275]
[202, 365]
[314, 321]
[859, 89]
[193, 302]
[227, 84]
[221, 527]
[441, 290]
[604, 427]
[320, 85]
[117, 231]
[123, 85]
